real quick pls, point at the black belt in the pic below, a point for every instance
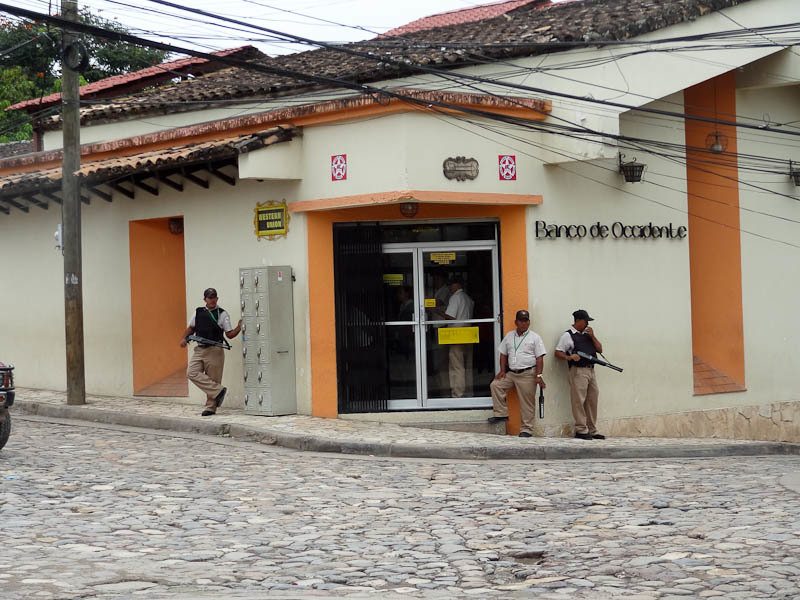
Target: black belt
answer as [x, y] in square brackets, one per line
[518, 371]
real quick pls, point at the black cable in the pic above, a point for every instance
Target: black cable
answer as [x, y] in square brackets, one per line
[361, 87]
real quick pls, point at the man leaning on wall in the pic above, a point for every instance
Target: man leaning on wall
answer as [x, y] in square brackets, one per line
[583, 389]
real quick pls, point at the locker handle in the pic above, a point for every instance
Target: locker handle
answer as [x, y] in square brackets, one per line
[244, 327]
[244, 350]
[245, 375]
[257, 302]
[259, 352]
[255, 279]
[243, 303]
[282, 352]
[259, 376]
[258, 327]
[241, 281]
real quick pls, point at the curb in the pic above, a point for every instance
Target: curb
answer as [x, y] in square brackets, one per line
[311, 443]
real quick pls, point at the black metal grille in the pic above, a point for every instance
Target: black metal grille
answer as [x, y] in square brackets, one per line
[360, 319]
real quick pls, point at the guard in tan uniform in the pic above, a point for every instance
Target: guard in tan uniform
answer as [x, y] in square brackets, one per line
[522, 355]
[207, 362]
[583, 389]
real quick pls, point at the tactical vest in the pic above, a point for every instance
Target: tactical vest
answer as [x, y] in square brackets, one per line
[206, 323]
[584, 343]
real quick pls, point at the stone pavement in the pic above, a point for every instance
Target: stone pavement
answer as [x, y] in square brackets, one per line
[369, 438]
[109, 512]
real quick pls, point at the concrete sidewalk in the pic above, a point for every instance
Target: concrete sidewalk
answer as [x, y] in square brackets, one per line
[368, 438]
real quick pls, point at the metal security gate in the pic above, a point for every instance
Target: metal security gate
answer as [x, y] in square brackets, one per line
[360, 318]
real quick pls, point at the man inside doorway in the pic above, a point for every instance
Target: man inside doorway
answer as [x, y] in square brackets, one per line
[208, 360]
[459, 308]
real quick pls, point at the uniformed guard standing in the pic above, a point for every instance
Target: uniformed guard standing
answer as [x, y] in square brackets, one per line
[583, 389]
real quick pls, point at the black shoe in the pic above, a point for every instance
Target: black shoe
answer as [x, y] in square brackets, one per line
[494, 420]
[207, 413]
[524, 434]
[220, 397]
[598, 436]
[583, 436]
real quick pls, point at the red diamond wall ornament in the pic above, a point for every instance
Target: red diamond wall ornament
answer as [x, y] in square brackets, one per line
[507, 164]
[338, 167]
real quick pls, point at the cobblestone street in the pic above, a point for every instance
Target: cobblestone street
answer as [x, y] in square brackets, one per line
[92, 511]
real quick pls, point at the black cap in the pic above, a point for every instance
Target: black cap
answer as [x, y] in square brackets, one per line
[522, 315]
[581, 315]
[210, 293]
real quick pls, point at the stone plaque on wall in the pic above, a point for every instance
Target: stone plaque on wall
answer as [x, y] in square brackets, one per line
[460, 168]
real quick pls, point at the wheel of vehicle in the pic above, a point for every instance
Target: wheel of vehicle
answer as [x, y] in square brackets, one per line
[5, 429]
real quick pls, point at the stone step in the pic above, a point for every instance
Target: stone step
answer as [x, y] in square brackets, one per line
[466, 426]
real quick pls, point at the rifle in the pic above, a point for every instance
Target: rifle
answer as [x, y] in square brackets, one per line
[207, 342]
[598, 361]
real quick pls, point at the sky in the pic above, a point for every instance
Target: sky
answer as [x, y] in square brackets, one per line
[359, 19]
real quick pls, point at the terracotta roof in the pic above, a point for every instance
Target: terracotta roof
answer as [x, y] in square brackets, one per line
[36, 187]
[500, 38]
[132, 82]
[462, 15]
[15, 148]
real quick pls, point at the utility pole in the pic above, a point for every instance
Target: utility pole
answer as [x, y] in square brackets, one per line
[71, 211]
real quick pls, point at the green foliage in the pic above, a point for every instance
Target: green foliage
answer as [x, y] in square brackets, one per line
[30, 64]
[14, 87]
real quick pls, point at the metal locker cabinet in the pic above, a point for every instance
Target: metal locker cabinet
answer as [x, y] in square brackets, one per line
[280, 306]
[268, 344]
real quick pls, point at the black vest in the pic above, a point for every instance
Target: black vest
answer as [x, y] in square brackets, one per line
[584, 343]
[205, 323]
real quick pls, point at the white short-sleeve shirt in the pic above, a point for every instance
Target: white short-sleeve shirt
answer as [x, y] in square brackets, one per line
[522, 350]
[224, 320]
[565, 343]
[460, 307]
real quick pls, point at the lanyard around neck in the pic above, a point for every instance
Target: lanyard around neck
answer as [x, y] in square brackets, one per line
[521, 339]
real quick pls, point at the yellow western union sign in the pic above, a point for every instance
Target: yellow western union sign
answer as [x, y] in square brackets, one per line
[458, 335]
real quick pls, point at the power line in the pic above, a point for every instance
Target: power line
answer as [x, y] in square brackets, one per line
[360, 87]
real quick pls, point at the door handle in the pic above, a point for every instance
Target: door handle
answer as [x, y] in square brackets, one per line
[282, 352]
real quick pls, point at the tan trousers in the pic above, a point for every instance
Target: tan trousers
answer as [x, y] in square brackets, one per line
[526, 390]
[205, 371]
[583, 392]
[460, 369]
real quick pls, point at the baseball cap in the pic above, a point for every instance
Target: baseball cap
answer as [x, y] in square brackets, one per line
[581, 314]
[522, 315]
[210, 293]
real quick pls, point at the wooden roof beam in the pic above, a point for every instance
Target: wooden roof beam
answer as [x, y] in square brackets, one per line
[101, 194]
[122, 190]
[139, 182]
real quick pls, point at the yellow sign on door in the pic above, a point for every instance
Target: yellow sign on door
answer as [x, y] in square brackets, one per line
[458, 335]
[443, 258]
[430, 302]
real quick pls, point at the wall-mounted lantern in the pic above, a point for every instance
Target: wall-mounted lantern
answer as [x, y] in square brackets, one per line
[632, 171]
[794, 173]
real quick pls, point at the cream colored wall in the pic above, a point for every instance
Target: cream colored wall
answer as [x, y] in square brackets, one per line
[32, 298]
[637, 290]
[218, 239]
[770, 267]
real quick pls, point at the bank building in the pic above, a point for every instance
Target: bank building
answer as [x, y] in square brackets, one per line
[635, 159]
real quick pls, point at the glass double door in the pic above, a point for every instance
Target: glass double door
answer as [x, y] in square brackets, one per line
[442, 310]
